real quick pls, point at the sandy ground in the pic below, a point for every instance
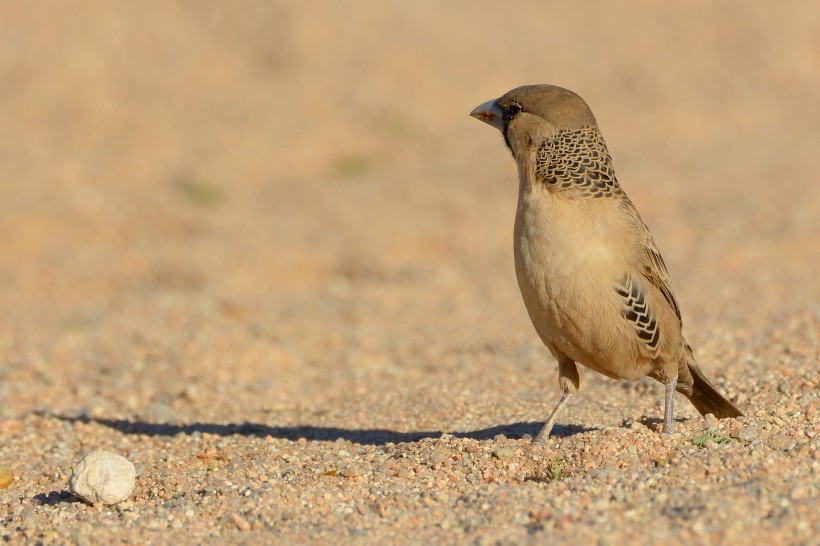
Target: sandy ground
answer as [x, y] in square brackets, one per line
[260, 250]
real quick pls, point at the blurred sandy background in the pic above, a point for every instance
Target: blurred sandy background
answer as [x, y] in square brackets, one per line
[266, 211]
[176, 169]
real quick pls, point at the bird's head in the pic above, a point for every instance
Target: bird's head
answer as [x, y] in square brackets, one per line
[529, 115]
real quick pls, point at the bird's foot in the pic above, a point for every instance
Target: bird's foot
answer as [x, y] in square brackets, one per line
[544, 435]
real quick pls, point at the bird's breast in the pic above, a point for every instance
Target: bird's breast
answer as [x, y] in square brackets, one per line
[567, 263]
[570, 242]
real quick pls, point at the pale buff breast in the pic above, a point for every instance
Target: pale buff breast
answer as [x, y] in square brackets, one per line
[567, 264]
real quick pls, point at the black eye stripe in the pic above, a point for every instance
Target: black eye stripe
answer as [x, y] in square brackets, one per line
[509, 111]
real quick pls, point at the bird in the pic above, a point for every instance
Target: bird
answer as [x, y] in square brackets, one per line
[593, 281]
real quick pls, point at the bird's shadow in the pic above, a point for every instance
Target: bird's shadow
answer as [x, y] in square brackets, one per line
[655, 423]
[375, 436]
[54, 498]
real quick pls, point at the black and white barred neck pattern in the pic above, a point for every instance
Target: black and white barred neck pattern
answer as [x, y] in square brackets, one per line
[577, 161]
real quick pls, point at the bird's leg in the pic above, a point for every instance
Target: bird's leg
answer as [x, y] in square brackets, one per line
[669, 403]
[569, 380]
[543, 436]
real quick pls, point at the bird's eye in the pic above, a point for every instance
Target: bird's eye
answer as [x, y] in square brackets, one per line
[512, 110]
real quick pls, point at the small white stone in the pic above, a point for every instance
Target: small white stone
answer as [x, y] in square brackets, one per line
[102, 477]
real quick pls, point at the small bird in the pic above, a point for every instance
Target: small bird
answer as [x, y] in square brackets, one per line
[593, 281]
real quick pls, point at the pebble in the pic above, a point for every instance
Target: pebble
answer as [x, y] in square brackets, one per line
[748, 433]
[240, 522]
[780, 441]
[102, 477]
[503, 453]
[6, 477]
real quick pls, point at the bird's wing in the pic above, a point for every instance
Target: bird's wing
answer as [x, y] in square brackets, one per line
[650, 262]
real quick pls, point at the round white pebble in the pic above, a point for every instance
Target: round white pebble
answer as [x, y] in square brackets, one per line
[102, 477]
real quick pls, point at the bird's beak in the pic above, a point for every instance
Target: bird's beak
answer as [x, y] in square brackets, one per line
[489, 113]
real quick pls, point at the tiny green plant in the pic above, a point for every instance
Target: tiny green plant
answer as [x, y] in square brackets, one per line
[199, 192]
[555, 470]
[352, 165]
[552, 473]
[659, 460]
[701, 439]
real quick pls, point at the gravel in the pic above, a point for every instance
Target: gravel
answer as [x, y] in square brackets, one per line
[264, 255]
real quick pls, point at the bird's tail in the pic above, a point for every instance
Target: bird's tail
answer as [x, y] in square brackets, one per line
[707, 399]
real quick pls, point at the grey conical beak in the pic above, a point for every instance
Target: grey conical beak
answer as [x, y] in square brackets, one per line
[489, 113]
